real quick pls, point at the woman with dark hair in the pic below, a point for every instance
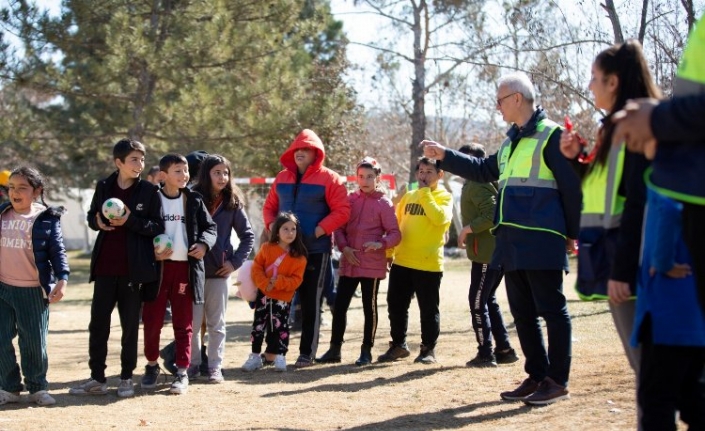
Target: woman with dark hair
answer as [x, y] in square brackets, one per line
[614, 192]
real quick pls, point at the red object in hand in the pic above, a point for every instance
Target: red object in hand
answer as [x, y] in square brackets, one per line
[568, 124]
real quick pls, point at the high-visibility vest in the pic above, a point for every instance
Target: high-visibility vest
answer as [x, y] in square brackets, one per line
[602, 205]
[690, 80]
[522, 172]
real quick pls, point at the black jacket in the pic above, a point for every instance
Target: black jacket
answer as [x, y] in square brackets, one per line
[143, 224]
[200, 227]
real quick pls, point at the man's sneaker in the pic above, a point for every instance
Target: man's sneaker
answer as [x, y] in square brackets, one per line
[180, 384]
[426, 356]
[508, 357]
[42, 398]
[480, 361]
[9, 397]
[394, 353]
[193, 371]
[280, 363]
[151, 374]
[91, 387]
[126, 389]
[526, 388]
[253, 362]
[215, 375]
[548, 392]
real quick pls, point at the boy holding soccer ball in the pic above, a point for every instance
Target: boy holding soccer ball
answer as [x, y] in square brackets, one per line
[192, 232]
[122, 264]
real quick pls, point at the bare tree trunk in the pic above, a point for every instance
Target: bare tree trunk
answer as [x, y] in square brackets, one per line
[614, 19]
[690, 12]
[642, 24]
[418, 86]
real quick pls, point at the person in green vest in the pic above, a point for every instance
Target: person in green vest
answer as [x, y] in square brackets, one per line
[678, 167]
[672, 369]
[477, 206]
[536, 223]
[614, 193]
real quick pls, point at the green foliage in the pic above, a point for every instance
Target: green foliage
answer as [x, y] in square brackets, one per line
[240, 78]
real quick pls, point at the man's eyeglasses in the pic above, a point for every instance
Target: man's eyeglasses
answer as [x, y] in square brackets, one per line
[501, 99]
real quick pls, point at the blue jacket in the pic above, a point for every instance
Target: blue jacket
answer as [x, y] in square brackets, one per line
[226, 220]
[672, 303]
[48, 247]
[523, 249]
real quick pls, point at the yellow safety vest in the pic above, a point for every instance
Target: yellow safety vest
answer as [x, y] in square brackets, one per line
[602, 205]
[525, 167]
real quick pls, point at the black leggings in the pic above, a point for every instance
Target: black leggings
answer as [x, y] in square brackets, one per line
[346, 289]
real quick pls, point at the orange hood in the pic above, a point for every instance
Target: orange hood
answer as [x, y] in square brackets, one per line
[306, 139]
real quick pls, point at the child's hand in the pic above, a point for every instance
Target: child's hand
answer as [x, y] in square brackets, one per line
[57, 292]
[225, 270]
[679, 270]
[120, 220]
[197, 251]
[165, 254]
[464, 232]
[390, 260]
[349, 254]
[101, 225]
[270, 285]
[372, 246]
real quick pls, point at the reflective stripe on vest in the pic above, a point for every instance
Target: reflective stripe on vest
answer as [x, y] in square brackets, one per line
[513, 171]
[690, 80]
[526, 167]
[602, 205]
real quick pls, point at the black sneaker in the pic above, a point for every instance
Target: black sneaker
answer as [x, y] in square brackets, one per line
[480, 361]
[526, 388]
[394, 353]
[548, 392]
[426, 356]
[508, 357]
[151, 374]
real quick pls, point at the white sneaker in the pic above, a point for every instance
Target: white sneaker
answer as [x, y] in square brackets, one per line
[42, 398]
[125, 389]
[180, 384]
[254, 362]
[91, 387]
[8, 397]
[280, 363]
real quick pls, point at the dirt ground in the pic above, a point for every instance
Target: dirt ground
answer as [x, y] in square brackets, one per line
[399, 396]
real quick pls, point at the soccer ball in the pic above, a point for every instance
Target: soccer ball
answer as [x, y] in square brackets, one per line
[161, 242]
[113, 208]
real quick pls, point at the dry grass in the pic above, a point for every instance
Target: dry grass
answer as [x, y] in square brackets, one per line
[380, 397]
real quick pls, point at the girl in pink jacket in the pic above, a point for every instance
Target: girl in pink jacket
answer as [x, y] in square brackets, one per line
[371, 229]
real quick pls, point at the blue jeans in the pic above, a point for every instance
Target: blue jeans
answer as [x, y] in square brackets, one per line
[539, 293]
[25, 312]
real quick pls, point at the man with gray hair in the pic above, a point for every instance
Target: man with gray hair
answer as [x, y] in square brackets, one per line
[537, 217]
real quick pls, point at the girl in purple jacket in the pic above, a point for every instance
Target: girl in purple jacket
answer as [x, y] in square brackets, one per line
[371, 229]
